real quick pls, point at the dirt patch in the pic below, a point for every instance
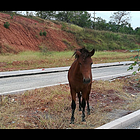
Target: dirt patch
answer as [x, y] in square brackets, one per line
[107, 99]
[133, 87]
[23, 34]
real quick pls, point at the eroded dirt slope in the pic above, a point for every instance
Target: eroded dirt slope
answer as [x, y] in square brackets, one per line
[23, 34]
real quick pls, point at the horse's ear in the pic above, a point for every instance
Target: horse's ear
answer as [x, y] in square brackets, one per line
[78, 53]
[92, 52]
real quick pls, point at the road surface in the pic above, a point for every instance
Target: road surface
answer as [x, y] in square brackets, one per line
[22, 83]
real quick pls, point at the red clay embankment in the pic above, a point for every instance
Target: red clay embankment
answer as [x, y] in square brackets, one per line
[23, 34]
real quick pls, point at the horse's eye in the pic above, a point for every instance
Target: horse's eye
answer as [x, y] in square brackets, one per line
[80, 64]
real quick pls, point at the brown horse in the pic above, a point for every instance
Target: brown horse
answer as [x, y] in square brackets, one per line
[80, 80]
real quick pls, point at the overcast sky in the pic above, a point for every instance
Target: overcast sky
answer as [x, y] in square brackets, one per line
[135, 16]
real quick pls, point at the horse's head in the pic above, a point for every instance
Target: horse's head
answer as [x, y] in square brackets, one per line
[84, 61]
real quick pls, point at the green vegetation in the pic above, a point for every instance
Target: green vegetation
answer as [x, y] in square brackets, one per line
[63, 26]
[43, 33]
[103, 40]
[119, 21]
[6, 25]
[136, 62]
[47, 59]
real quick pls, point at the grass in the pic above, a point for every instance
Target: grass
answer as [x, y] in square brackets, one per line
[75, 28]
[50, 107]
[34, 60]
[103, 40]
[106, 56]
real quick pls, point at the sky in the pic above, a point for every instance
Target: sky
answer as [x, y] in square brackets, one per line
[135, 16]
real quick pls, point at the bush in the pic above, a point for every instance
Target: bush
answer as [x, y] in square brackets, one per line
[63, 27]
[41, 34]
[6, 25]
[136, 62]
[44, 33]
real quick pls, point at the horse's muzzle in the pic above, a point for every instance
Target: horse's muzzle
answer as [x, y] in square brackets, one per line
[86, 81]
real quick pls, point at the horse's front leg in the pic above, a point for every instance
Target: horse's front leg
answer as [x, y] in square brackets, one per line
[83, 111]
[79, 96]
[88, 108]
[73, 105]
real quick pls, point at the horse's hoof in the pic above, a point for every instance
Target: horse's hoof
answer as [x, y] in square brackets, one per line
[88, 113]
[72, 122]
[83, 120]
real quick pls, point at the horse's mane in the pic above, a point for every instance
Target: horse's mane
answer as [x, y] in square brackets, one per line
[84, 52]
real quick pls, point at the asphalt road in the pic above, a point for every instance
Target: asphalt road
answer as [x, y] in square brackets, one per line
[22, 83]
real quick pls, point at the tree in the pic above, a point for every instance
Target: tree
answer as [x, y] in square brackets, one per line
[80, 18]
[83, 19]
[120, 17]
[126, 29]
[137, 31]
[66, 16]
[112, 26]
[46, 14]
[100, 24]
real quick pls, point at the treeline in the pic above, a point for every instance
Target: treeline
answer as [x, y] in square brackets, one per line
[80, 18]
[85, 20]
[101, 24]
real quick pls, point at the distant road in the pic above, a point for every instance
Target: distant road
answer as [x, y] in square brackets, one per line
[22, 83]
